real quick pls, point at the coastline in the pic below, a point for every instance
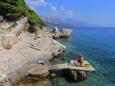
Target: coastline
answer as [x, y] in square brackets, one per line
[22, 55]
[19, 49]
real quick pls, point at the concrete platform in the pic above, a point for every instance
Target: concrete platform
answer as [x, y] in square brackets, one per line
[37, 69]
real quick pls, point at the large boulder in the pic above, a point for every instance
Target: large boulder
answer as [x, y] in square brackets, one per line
[38, 71]
[61, 33]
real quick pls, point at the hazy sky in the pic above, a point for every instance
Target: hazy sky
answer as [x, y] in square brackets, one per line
[99, 12]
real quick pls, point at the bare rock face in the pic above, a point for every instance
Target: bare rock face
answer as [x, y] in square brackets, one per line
[25, 51]
[39, 72]
[56, 33]
[8, 40]
[4, 81]
[20, 26]
[12, 30]
[45, 43]
[14, 27]
[6, 24]
[82, 75]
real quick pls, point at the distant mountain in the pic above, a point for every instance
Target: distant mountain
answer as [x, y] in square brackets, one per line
[64, 22]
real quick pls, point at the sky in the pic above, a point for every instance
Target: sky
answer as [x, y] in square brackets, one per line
[98, 12]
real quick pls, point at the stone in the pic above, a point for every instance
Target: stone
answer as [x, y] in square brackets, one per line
[65, 33]
[61, 33]
[39, 73]
[82, 75]
[1, 18]
[21, 24]
[4, 81]
[38, 70]
[75, 75]
[53, 75]
[18, 58]
[8, 40]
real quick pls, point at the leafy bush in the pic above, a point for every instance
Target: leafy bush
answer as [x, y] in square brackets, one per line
[13, 9]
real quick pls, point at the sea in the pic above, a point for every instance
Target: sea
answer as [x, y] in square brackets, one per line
[97, 45]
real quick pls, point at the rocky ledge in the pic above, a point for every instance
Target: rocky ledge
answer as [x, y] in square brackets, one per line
[19, 49]
[60, 33]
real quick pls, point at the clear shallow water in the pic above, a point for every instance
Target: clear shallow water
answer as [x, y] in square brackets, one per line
[98, 47]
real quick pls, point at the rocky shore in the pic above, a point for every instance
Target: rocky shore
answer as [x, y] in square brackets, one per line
[19, 49]
[60, 32]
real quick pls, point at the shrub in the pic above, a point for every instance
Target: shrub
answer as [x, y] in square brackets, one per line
[13, 9]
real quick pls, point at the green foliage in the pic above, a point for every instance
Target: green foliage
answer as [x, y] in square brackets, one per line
[14, 9]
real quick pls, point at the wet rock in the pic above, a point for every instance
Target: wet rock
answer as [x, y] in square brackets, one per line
[82, 75]
[75, 75]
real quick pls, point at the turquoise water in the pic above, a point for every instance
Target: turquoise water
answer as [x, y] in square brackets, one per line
[98, 47]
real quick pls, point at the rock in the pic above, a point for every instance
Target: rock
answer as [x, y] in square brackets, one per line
[8, 40]
[61, 33]
[18, 58]
[7, 24]
[82, 75]
[1, 18]
[4, 81]
[56, 33]
[65, 33]
[39, 71]
[7, 45]
[57, 48]
[21, 25]
[75, 75]
[14, 27]
[52, 75]
[48, 44]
